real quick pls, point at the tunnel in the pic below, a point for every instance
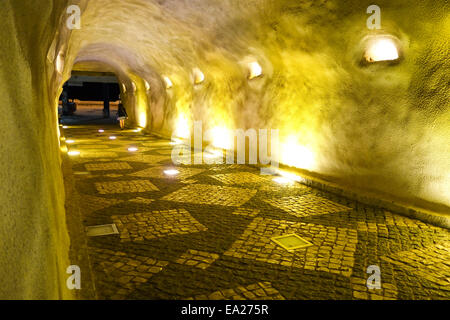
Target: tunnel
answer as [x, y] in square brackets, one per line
[271, 149]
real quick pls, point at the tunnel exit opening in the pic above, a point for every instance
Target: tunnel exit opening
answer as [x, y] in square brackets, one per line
[89, 98]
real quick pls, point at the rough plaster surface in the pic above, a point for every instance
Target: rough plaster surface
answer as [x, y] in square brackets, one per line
[34, 242]
[379, 127]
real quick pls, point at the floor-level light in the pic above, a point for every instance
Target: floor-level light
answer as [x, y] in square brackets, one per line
[282, 180]
[73, 153]
[171, 172]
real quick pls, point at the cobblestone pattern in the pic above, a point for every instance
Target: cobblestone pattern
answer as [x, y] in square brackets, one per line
[307, 205]
[156, 224]
[258, 291]
[273, 188]
[233, 215]
[158, 172]
[198, 259]
[239, 178]
[142, 200]
[213, 195]
[107, 166]
[362, 292]
[97, 154]
[434, 262]
[125, 270]
[151, 159]
[248, 212]
[332, 250]
[125, 186]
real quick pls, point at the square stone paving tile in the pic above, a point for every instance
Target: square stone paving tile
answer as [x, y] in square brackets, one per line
[127, 186]
[188, 181]
[158, 172]
[92, 203]
[142, 200]
[257, 291]
[332, 251]
[97, 154]
[146, 158]
[198, 259]
[240, 178]
[307, 205]
[124, 271]
[156, 224]
[431, 263]
[211, 195]
[362, 292]
[105, 166]
[223, 167]
[276, 187]
[247, 212]
[113, 175]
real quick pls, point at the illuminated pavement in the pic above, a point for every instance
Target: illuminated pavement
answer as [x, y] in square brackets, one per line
[206, 232]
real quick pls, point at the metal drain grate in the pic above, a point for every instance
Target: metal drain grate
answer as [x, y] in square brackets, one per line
[103, 230]
[291, 242]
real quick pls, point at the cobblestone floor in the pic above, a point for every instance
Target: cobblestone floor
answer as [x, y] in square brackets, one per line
[206, 232]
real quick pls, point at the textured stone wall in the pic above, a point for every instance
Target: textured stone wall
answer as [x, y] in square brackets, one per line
[33, 238]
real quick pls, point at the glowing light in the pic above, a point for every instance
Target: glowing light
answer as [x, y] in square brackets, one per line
[73, 153]
[70, 141]
[295, 155]
[381, 50]
[290, 176]
[182, 128]
[255, 70]
[142, 118]
[133, 149]
[199, 77]
[112, 138]
[168, 82]
[137, 130]
[101, 130]
[282, 180]
[124, 88]
[60, 63]
[221, 138]
[171, 172]
[65, 127]
[147, 85]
